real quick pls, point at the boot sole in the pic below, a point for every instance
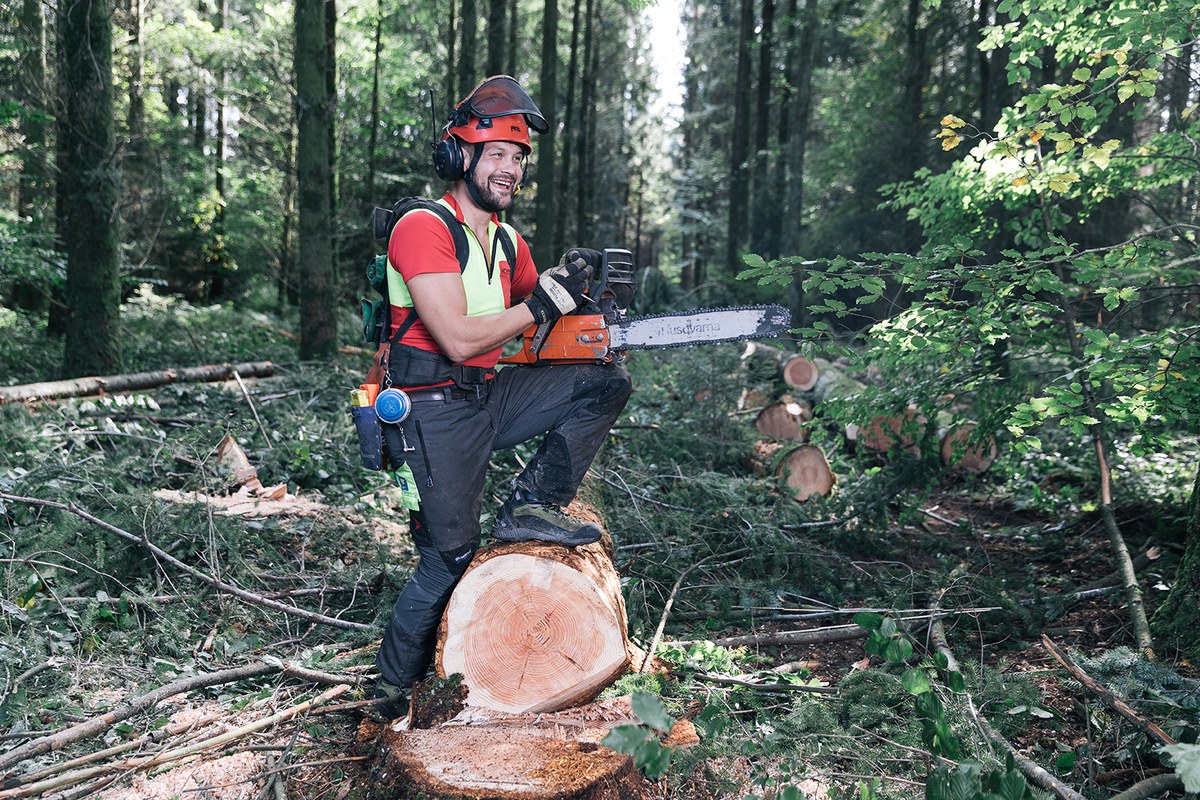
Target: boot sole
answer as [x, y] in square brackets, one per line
[526, 535]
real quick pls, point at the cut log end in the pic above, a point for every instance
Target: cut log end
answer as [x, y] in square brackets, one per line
[784, 420]
[806, 472]
[800, 373]
[535, 627]
[958, 455]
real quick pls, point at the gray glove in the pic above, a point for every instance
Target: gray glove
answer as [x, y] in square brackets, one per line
[559, 290]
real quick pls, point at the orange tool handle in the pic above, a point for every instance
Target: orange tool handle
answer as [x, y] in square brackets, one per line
[574, 339]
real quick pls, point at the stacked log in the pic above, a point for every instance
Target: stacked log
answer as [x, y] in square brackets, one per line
[784, 420]
[957, 453]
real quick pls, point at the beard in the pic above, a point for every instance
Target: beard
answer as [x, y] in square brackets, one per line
[486, 199]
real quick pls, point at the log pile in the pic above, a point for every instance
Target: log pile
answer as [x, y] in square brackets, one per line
[784, 423]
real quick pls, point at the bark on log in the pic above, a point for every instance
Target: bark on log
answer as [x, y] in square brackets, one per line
[82, 387]
[805, 471]
[784, 420]
[487, 753]
[535, 627]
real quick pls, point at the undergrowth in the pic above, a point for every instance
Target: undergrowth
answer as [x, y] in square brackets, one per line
[89, 616]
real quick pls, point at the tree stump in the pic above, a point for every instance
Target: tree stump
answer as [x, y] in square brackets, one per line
[795, 370]
[805, 471]
[535, 627]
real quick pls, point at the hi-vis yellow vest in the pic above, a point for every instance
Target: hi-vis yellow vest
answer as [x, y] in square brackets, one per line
[484, 295]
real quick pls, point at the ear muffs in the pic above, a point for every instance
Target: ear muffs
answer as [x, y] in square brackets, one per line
[448, 161]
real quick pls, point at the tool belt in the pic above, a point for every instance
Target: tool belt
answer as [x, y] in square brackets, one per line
[412, 366]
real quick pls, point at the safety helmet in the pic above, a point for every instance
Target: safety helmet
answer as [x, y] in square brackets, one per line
[497, 110]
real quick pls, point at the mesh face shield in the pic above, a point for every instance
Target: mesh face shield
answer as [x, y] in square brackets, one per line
[498, 96]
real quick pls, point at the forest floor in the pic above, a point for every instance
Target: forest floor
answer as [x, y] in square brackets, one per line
[91, 620]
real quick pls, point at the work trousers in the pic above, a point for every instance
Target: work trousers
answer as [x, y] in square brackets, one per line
[447, 443]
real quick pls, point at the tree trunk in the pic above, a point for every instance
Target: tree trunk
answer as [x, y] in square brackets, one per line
[739, 150]
[89, 179]
[1175, 620]
[217, 254]
[570, 132]
[32, 197]
[796, 148]
[451, 48]
[535, 627]
[286, 288]
[547, 199]
[583, 143]
[765, 204]
[497, 37]
[369, 199]
[467, 79]
[318, 321]
[110, 384]
[510, 65]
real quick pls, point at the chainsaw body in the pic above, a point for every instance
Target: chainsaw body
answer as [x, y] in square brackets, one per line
[583, 337]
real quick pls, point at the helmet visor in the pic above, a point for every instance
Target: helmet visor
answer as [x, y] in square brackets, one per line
[501, 96]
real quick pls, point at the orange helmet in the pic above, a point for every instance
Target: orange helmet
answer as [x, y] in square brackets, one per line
[497, 110]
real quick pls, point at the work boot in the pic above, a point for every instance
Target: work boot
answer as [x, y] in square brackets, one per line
[524, 516]
[391, 702]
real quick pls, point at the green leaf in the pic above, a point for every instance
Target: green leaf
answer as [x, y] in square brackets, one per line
[1065, 763]
[1186, 759]
[868, 620]
[649, 709]
[898, 651]
[652, 758]
[888, 627]
[956, 681]
[915, 681]
[1082, 74]
[627, 738]
[941, 660]
[791, 792]
[1013, 786]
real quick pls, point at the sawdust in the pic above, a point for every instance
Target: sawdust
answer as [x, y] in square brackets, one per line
[233, 777]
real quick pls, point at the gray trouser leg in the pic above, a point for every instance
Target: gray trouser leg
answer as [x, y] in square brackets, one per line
[449, 445]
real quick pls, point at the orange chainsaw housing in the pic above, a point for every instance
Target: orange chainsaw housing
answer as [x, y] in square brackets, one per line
[574, 339]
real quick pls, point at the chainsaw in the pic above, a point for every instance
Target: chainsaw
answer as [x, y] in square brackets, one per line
[601, 331]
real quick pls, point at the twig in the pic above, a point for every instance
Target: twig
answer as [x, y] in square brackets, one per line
[1111, 700]
[249, 597]
[253, 410]
[773, 688]
[662, 620]
[834, 633]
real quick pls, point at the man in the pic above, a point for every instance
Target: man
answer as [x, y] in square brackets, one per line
[448, 326]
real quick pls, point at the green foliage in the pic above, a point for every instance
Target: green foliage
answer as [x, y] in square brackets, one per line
[642, 741]
[970, 781]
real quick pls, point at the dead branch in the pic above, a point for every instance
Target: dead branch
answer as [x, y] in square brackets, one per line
[1037, 775]
[773, 688]
[835, 633]
[662, 620]
[168, 756]
[249, 597]
[100, 724]
[1168, 782]
[1111, 700]
[82, 387]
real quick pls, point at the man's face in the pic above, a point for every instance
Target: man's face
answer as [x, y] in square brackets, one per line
[497, 174]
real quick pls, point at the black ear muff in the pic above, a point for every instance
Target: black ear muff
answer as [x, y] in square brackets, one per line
[448, 159]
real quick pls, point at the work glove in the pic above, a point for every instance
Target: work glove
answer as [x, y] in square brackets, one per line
[590, 257]
[559, 290]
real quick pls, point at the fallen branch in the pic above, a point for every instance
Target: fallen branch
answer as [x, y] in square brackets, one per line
[82, 387]
[774, 688]
[1034, 772]
[835, 633]
[168, 756]
[1158, 784]
[1111, 700]
[249, 597]
[98, 725]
